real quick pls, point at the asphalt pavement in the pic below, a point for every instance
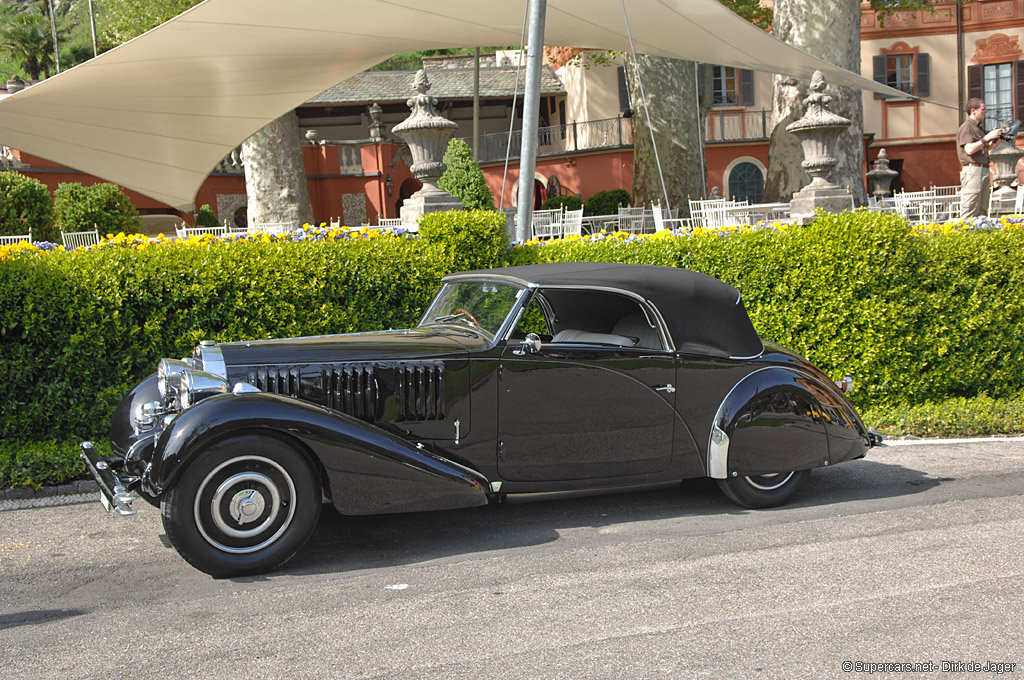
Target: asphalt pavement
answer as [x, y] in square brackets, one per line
[906, 562]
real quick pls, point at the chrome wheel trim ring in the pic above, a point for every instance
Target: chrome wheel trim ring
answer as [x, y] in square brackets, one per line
[244, 501]
[771, 481]
[221, 523]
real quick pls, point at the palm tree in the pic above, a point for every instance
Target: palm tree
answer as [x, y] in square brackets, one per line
[28, 39]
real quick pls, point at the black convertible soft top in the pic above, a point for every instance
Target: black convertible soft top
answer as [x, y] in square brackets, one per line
[703, 315]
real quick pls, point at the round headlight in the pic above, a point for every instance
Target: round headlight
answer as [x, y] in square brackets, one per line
[168, 374]
[197, 385]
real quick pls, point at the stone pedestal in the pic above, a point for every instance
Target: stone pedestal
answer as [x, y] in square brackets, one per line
[1004, 159]
[817, 131]
[427, 133]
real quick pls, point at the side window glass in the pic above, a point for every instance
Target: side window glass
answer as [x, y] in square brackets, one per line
[533, 322]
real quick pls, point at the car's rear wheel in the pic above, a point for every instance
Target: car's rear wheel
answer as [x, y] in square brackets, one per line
[244, 506]
[763, 491]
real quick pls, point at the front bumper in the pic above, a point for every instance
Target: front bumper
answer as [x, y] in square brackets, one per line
[114, 494]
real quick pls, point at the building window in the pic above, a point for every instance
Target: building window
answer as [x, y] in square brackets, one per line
[1001, 87]
[731, 86]
[998, 86]
[899, 72]
[746, 181]
[908, 72]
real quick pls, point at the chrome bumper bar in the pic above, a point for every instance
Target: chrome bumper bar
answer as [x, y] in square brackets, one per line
[113, 494]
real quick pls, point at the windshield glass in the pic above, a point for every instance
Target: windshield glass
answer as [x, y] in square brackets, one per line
[482, 305]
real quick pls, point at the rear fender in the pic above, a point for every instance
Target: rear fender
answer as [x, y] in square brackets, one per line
[368, 469]
[779, 419]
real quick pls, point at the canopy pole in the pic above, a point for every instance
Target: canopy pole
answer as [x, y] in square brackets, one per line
[531, 113]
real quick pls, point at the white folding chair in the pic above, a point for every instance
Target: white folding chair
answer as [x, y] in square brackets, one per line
[271, 227]
[185, 232]
[11, 240]
[572, 223]
[79, 239]
[631, 220]
[546, 223]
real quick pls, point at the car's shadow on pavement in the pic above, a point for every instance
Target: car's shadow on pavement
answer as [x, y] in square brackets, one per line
[354, 543]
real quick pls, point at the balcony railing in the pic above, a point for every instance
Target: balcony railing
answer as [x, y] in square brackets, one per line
[609, 133]
[738, 126]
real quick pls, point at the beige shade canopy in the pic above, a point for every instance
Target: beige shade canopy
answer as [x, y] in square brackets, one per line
[159, 112]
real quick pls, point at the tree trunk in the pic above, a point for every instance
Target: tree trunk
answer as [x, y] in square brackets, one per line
[829, 29]
[670, 86]
[275, 174]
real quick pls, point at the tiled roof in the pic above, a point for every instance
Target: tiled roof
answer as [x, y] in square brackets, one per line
[445, 84]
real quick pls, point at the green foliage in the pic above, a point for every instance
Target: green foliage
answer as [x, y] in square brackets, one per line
[930, 326]
[78, 208]
[567, 202]
[38, 464]
[753, 11]
[912, 318]
[25, 37]
[205, 217]
[958, 417]
[470, 239]
[607, 202]
[25, 204]
[78, 329]
[463, 178]
[127, 19]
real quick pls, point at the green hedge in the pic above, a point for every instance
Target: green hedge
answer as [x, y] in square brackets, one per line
[914, 318]
[25, 205]
[78, 329]
[101, 206]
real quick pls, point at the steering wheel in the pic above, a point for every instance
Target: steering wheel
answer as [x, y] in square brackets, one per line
[469, 316]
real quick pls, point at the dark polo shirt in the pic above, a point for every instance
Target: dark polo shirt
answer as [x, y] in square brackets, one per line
[970, 132]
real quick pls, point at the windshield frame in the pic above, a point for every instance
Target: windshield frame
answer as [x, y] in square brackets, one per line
[430, 316]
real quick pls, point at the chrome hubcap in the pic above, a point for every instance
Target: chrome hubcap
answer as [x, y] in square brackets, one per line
[249, 508]
[771, 481]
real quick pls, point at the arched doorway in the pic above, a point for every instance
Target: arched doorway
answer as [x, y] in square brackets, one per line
[746, 182]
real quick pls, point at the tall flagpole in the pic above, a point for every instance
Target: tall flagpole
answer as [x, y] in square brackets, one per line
[531, 113]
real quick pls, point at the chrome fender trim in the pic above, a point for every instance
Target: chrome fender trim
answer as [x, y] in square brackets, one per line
[718, 442]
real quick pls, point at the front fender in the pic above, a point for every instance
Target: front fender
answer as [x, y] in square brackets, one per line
[369, 470]
[782, 418]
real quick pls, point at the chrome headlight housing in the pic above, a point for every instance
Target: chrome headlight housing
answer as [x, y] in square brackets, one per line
[197, 385]
[169, 377]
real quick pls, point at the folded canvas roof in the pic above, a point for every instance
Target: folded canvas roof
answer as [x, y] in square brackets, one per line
[159, 112]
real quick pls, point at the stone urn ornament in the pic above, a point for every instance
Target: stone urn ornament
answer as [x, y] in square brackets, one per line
[427, 133]
[1004, 159]
[881, 176]
[818, 130]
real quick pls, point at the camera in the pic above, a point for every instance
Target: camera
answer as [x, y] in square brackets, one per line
[1010, 130]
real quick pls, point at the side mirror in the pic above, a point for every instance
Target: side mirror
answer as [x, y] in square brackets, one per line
[531, 344]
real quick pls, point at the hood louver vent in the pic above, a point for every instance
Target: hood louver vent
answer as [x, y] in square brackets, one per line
[353, 389]
[286, 381]
[420, 391]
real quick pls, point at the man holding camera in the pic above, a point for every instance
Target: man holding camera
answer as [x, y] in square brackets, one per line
[972, 145]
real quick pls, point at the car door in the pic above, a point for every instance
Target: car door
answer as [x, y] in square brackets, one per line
[577, 411]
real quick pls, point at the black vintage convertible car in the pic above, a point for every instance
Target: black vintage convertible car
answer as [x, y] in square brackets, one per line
[543, 378]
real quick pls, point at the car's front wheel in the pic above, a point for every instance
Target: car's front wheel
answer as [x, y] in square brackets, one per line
[763, 491]
[243, 506]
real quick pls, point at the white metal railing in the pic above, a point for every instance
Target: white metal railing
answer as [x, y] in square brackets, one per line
[738, 125]
[608, 133]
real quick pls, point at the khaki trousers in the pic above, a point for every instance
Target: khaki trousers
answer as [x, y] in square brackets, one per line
[975, 186]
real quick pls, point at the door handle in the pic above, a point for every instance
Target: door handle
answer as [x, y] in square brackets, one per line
[665, 388]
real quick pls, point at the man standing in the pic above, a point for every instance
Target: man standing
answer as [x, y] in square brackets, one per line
[972, 145]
